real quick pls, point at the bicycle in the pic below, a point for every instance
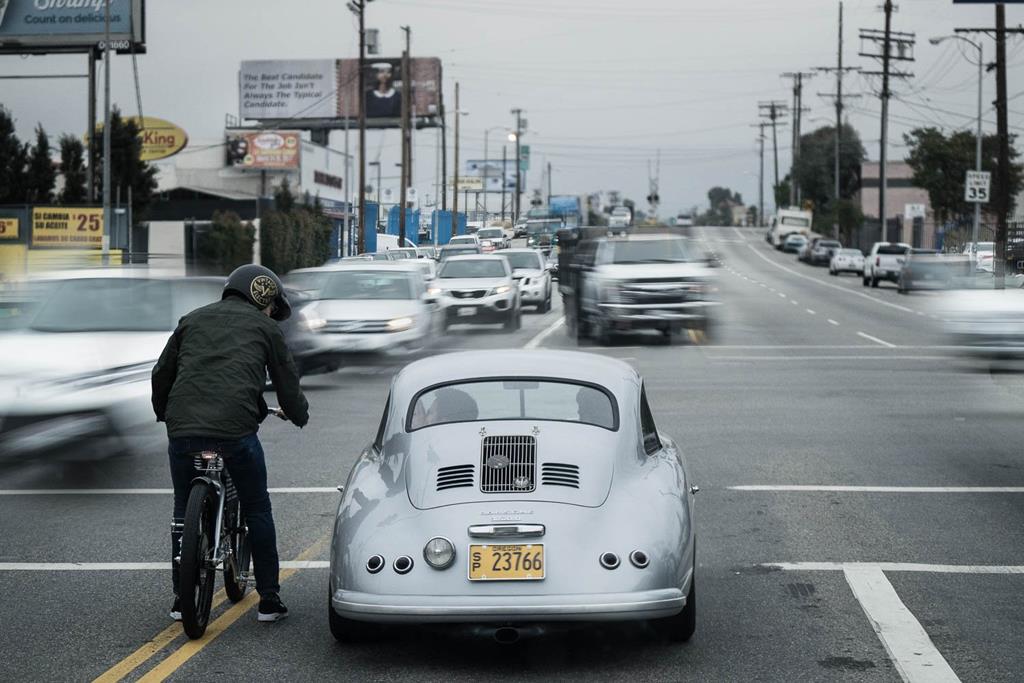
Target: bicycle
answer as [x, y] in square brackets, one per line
[213, 538]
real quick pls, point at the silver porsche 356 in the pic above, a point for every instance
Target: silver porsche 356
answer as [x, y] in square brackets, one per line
[508, 490]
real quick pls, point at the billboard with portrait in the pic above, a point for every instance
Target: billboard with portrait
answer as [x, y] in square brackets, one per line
[265, 150]
[38, 26]
[383, 91]
[499, 176]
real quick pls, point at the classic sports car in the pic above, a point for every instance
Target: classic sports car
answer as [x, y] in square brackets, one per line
[509, 489]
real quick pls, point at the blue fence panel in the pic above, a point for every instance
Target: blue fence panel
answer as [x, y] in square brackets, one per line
[370, 226]
[441, 226]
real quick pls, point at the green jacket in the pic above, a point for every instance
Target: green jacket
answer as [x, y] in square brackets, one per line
[210, 378]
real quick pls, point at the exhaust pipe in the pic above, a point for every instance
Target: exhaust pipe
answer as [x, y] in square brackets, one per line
[506, 635]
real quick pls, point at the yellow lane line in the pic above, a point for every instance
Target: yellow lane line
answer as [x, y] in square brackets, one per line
[191, 648]
[172, 632]
[159, 642]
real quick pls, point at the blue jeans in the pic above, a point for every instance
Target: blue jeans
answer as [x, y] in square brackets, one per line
[244, 462]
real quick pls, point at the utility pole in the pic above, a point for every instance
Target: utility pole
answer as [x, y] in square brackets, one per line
[549, 183]
[358, 7]
[760, 174]
[406, 152]
[518, 161]
[91, 175]
[839, 71]
[455, 170]
[798, 90]
[1002, 189]
[773, 111]
[444, 160]
[904, 51]
[106, 136]
[504, 178]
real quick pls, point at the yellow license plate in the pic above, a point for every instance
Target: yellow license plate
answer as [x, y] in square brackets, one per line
[517, 562]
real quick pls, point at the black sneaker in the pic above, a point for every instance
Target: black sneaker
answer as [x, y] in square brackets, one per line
[176, 610]
[271, 608]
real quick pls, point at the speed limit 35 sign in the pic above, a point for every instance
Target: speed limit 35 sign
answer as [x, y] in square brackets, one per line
[976, 187]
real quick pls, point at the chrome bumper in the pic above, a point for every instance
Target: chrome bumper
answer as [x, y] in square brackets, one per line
[418, 609]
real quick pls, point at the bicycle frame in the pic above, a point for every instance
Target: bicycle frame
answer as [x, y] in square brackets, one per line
[212, 465]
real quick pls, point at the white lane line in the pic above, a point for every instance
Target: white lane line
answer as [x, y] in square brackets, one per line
[128, 566]
[794, 302]
[810, 311]
[896, 567]
[877, 489]
[911, 650]
[828, 284]
[544, 334]
[833, 322]
[876, 340]
[727, 359]
[781, 294]
[145, 492]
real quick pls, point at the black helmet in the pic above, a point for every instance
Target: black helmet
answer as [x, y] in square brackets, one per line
[261, 287]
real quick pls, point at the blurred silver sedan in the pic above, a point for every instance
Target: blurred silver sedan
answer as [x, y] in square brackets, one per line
[508, 489]
[74, 374]
[847, 261]
[985, 323]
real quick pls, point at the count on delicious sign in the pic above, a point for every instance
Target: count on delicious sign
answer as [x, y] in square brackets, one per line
[283, 89]
[27, 24]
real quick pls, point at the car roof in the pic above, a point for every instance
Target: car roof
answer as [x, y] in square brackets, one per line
[477, 257]
[646, 237]
[616, 376]
[407, 265]
[521, 250]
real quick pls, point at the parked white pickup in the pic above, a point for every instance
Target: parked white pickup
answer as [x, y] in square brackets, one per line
[884, 262]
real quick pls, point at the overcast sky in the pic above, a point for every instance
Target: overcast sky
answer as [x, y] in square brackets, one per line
[605, 83]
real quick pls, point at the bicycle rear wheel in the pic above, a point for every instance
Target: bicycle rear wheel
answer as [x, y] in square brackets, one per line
[196, 569]
[238, 539]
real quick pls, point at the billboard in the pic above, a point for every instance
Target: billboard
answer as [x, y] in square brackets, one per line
[61, 226]
[8, 226]
[288, 89]
[160, 139]
[383, 94]
[498, 179]
[564, 205]
[265, 150]
[44, 25]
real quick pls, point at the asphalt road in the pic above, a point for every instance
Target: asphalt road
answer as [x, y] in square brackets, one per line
[895, 559]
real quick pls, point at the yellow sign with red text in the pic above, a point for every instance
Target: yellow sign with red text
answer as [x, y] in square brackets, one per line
[57, 226]
[8, 228]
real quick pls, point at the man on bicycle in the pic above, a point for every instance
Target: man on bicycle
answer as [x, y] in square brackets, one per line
[208, 387]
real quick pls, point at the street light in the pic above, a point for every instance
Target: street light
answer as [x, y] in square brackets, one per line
[487, 159]
[977, 154]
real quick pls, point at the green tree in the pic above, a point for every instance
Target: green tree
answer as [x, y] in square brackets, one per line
[293, 235]
[72, 166]
[721, 201]
[127, 169]
[815, 168]
[226, 245]
[13, 161]
[941, 162]
[42, 176]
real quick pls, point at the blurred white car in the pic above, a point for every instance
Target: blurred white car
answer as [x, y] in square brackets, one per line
[847, 261]
[530, 271]
[477, 289]
[986, 323]
[75, 374]
[465, 239]
[361, 308]
[492, 239]
[983, 253]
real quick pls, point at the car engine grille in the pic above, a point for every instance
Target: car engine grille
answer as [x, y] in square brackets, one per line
[655, 292]
[508, 464]
[356, 326]
[560, 474]
[454, 477]
[469, 293]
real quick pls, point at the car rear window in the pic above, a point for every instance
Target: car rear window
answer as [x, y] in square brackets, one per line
[892, 249]
[513, 399]
[793, 220]
[829, 244]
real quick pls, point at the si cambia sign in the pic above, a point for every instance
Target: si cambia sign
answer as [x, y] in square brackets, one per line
[8, 227]
[59, 226]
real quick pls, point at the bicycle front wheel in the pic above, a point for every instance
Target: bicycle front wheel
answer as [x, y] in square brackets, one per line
[196, 569]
